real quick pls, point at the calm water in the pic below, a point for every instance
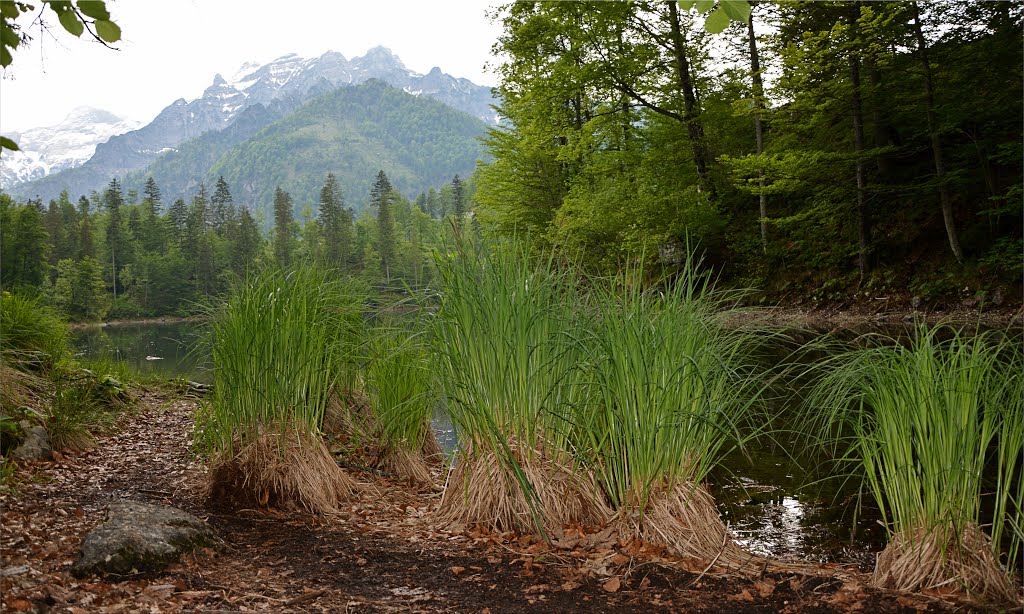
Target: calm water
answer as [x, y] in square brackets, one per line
[161, 349]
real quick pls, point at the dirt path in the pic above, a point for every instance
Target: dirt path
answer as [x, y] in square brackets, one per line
[382, 554]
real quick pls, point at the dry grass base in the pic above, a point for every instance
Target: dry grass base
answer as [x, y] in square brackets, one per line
[685, 521]
[481, 490]
[940, 560]
[406, 465]
[290, 472]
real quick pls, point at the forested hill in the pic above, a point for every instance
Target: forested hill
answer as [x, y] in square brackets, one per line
[350, 131]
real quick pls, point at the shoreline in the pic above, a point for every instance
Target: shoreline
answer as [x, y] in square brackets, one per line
[135, 322]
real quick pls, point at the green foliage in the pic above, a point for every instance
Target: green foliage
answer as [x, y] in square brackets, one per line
[278, 342]
[926, 423]
[401, 386]
[31, 333]
[672, 386]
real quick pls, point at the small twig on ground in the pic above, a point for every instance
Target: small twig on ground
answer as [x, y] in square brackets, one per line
[306, 597]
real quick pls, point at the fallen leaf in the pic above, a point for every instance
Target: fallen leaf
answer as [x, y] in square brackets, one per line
[765, 588]
[612, 585]
[744, 596]
[620, 559]
[457, 570]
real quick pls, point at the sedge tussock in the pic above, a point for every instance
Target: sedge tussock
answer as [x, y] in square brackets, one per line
[685, 520]
[290, 472]
[407, 464]
[483, 490]
[935, 426]
[945, 558]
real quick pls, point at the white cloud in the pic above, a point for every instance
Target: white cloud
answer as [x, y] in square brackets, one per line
[173, 49]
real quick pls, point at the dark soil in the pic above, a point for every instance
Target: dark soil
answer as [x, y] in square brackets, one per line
[383, 552]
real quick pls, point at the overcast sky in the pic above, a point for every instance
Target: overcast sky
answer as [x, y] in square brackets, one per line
[173, 49]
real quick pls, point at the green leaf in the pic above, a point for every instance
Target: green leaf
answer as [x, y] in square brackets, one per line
[108, 30]
[716, 21]
[6, 143]
[686, 5]
[71, 23]
[703, 6]
[96, 9]
[737, 10]
[9, 10]
[8, 37]
[5, 56]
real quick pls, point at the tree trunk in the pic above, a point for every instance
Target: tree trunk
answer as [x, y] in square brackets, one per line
[863, 215]
[755, 71]
[933, 131]
[878, 118]
[685, 82]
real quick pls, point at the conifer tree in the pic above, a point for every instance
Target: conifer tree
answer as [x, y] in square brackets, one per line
[458, 207]
[113, 199]
[284, 228]
[151, 197]
[246, 244]
[337, 223]
[86, 247]
[54, 224]
[381, 197]
[177, 215]
[223, 208]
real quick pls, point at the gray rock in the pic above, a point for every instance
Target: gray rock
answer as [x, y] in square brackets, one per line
[997, 297]
[139, 537]
[36, 443]
[915, 302]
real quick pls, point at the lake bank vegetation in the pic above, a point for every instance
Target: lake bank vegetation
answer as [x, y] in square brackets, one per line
[604, 402]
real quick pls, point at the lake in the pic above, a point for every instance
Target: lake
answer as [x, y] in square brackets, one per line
[164, 349]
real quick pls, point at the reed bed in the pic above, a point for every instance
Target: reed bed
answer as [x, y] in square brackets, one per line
[926, 422]
[278, 345]
[671, 388]
[588, 400]
[509, 367]
[402, 393]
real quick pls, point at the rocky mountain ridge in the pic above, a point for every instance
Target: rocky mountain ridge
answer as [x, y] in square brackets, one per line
[279, 86]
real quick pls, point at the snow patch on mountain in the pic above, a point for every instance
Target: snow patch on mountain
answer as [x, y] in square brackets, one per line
[64, 145]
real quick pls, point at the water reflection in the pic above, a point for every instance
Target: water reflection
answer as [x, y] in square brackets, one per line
[160, 349]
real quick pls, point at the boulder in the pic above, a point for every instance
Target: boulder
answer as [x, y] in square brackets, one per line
[140, 537]
[35, 445]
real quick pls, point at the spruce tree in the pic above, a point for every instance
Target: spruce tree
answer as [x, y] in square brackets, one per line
[337, 223]
[86, 247]
[151, 197]
[458, 207]
[113, 199]
[381, 196]
[246, 243]
[177, 215]
[54, 224]
[284, 228]
[223, 208]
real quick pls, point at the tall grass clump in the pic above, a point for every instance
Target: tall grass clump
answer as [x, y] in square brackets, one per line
[671, 389]
[927, 422]
[32, 336]
[277, 343]
[508, 362]
[403, 393]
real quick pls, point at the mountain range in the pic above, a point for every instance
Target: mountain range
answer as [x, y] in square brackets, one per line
[51, 149]
[230, 112]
